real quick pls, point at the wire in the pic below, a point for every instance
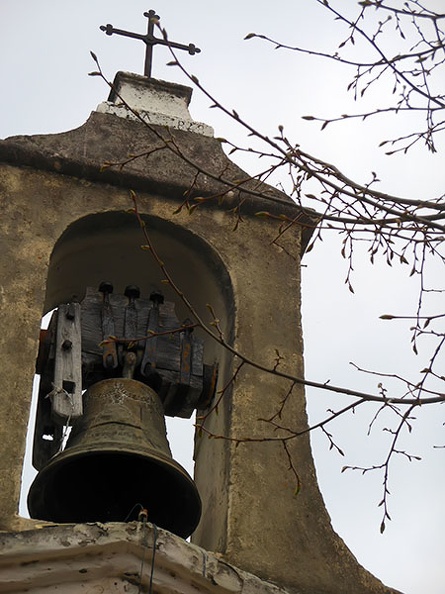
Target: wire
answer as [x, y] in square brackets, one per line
[152, 571]
[135, 506]
[143, 519]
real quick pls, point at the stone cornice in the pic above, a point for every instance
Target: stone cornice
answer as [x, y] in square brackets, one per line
[171, 162]
[119, 558]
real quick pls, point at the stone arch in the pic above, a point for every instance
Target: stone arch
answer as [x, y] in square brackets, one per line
[107, 246]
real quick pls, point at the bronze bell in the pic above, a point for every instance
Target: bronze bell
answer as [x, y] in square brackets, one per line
[117, 460]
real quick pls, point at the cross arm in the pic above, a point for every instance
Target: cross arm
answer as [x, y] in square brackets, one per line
[109, 30]
[191, 47]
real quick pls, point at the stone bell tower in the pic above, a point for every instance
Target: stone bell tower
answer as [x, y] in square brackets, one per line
[143, 195]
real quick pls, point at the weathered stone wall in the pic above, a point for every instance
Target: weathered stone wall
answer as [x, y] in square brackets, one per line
[27, 244]
[55, 192]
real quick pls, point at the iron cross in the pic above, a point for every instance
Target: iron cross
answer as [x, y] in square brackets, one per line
[150, 40]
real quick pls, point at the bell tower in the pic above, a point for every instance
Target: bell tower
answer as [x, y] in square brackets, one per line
[145, 239]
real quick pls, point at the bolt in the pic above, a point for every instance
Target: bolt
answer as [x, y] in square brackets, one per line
[106, 287]
[67, 345]
[157, 297]
[70, 312]
[132, 292]
[188, 325]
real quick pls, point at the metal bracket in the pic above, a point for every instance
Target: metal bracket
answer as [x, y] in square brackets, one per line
[149, 358]
[66, 395]
[109, 356]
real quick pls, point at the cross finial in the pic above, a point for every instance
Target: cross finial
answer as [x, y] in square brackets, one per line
[150, 40]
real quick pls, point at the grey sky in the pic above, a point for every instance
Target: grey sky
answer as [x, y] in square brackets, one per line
[45, 60]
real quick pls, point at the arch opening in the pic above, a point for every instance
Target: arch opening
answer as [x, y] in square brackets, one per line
[107, 246]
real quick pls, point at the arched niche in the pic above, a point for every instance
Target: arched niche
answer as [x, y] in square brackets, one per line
[107, 246]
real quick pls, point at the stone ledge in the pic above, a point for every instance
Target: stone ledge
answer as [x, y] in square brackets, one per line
[155, 119]
[116, 558]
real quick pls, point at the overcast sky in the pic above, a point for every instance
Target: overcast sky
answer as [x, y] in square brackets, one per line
[45, 60]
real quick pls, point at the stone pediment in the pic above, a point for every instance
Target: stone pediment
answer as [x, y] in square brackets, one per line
[144, 150]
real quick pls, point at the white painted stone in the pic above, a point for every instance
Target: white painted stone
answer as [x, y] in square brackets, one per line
[116, 559]
[155, 102]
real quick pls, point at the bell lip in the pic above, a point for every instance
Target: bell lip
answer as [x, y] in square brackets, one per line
[35, 499]
[73, 451]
